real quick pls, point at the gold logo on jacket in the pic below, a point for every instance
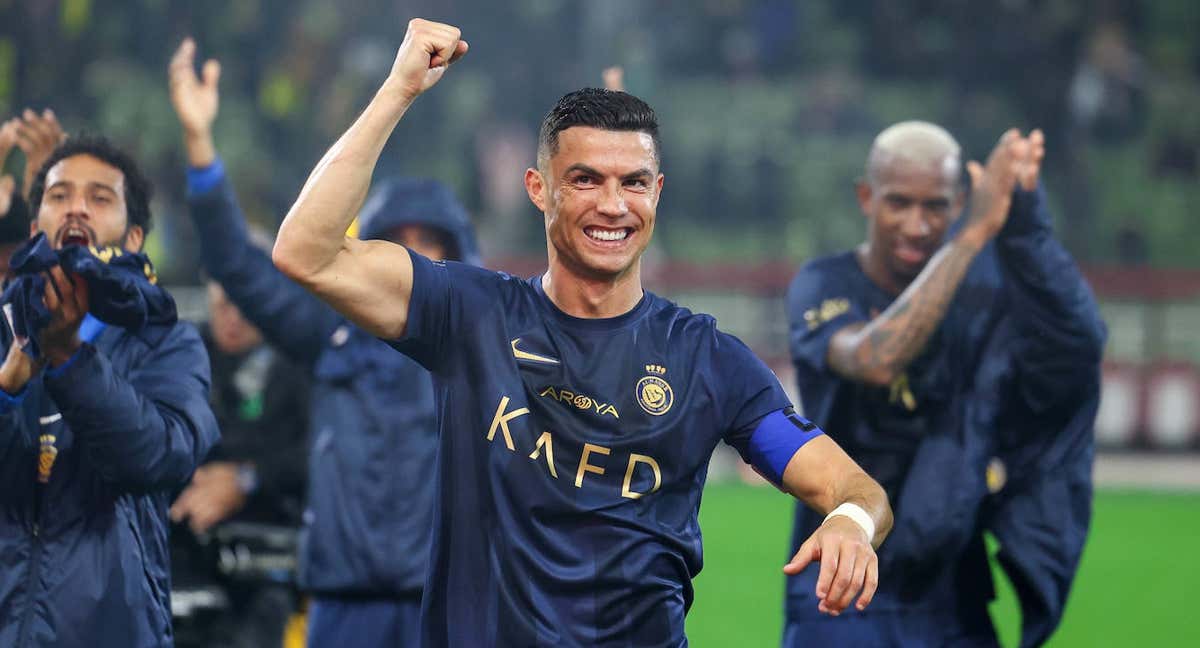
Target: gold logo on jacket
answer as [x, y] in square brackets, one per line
[46, 457]
[654, 393]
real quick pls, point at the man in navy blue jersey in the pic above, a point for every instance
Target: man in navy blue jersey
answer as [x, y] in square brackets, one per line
[942, 354]
[577, 412]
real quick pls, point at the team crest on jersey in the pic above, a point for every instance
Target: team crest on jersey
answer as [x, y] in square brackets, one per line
[654, 393]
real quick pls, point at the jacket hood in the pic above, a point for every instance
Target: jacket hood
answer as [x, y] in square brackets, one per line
[416, 201]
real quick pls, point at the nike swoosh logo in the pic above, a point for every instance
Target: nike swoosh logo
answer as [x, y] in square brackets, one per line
[532, 357]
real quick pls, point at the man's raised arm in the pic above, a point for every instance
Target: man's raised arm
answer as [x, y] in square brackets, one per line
[878, 351]
[370, 282]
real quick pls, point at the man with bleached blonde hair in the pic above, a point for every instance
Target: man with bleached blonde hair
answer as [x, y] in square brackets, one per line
[940, 352]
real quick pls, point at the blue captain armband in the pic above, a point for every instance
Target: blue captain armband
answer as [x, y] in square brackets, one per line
[776, 439]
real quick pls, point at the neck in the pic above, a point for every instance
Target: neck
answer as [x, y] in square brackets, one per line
[877, 271]
[588, 297]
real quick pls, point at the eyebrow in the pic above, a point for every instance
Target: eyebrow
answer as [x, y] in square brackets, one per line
[640, 173]
[89, 185]
[579, 166]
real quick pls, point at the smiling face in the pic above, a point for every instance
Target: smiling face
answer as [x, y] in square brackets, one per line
[599, 192]
[84, 204]
[909, 207]
[910, 195]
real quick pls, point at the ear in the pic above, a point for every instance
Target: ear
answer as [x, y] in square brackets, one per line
[864, 192]
[535, 186]
[33, 227]
[134, 238]
[658, 189]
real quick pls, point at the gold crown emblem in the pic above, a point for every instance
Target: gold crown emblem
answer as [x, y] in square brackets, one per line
[656, 369]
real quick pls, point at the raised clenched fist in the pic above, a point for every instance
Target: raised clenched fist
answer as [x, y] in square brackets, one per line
[428, 49]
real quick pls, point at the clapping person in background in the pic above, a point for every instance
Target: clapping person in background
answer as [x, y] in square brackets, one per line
[103, 413]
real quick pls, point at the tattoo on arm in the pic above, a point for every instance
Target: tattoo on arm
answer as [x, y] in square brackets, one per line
[881, 349]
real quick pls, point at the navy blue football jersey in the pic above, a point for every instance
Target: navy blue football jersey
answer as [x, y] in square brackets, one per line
[917, 423]
[573, 453]
[989, 427]
[881, 426]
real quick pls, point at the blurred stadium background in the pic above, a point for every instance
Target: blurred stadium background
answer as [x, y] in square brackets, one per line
[768, 108]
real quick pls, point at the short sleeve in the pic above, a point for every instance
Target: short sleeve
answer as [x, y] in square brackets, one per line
[751, 391]
[819, 304]
[448, 303]
[429, 314]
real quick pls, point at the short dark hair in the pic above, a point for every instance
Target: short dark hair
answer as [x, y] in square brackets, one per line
[598, 108]
[137, 187]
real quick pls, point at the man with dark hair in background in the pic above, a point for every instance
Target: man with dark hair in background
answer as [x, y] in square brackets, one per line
[103, 426]
[365, 542]
[943, 355]
[254, 478]
[577, 412]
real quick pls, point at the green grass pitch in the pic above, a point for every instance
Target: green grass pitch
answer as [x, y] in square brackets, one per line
[1137, 586]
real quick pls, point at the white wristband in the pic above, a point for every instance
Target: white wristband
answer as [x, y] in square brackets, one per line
[856, 513]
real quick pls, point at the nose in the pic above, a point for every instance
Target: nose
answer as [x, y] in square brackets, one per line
[915, 225]
[611, 201]
[78, 207]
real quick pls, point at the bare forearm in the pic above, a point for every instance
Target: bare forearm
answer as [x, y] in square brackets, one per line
[882, 349]
[859, 489]
[313, 232]
[823, 476]
[201, 151]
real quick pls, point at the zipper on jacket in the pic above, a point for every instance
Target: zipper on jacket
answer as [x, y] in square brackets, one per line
[35, 560]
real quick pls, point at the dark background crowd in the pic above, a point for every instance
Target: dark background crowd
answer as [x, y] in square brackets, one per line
[770, 103]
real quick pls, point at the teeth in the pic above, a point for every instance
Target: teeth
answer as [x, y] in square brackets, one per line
[607, 235]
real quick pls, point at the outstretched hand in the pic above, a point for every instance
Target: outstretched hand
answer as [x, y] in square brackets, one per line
[193, 96]
[849, 566]
[195, 100]
[37, 135]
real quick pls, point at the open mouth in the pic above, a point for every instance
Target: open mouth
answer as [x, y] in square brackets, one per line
[608, 235]
[911, 255]
[75, 235]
